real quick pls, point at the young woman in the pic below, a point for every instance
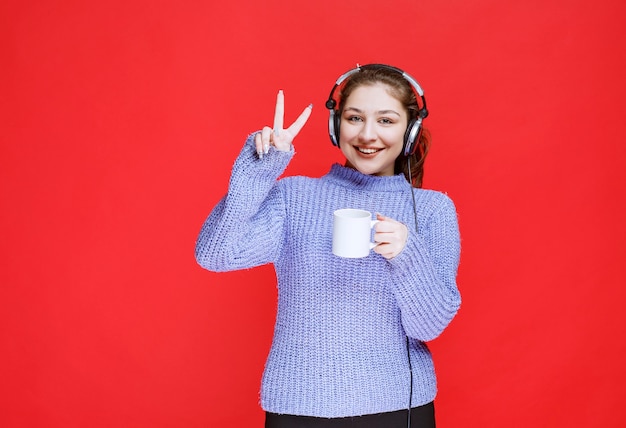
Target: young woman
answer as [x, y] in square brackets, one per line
[349, 346]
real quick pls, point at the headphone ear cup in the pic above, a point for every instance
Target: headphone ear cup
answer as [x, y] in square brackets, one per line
[333, 127]
[337, 120]
[412, 135]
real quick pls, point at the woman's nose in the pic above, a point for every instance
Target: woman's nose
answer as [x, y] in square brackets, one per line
[368, 132]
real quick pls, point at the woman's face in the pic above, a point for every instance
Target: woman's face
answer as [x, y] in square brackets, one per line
[371, 133]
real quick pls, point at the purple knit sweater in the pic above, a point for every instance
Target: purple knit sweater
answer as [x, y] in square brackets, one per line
[339, 346]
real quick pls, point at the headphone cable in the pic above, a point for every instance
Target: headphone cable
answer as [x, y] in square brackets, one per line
[408, 349]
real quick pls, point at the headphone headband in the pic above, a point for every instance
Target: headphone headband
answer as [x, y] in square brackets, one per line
[414, 127]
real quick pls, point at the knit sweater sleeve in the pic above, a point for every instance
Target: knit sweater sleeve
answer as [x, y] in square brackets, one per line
[245, 228]
[424, 274]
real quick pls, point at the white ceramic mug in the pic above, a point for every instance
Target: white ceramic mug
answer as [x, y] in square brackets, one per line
[352, 231]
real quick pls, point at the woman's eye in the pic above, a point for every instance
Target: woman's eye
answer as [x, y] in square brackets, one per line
[385, 121]
[354, 119]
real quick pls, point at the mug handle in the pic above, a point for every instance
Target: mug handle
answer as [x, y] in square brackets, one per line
[373, 244]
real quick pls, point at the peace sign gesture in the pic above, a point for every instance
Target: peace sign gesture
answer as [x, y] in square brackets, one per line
[278, 137]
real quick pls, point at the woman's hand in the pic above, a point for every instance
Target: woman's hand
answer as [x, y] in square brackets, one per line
[391, 236]
[278, 137]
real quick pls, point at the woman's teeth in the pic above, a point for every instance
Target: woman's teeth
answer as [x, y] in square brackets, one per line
[367, 151]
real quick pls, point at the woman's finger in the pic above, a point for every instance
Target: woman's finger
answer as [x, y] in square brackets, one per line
[297, 125]
[279, 113]
[385, 250]
[387, 226]
[262, 141]
[258, 142]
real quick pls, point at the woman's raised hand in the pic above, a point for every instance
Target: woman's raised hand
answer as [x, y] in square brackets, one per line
[279, 137]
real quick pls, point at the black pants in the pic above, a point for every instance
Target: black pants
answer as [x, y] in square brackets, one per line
[421, 417]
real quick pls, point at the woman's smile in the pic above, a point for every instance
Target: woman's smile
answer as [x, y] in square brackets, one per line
[367, 150]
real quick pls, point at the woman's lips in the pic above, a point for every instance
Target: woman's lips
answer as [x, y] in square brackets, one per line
[367, 150]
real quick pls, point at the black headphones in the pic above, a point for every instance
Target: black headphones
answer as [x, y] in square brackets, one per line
[414, 127]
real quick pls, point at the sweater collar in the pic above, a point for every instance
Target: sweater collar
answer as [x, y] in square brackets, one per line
[349, 177]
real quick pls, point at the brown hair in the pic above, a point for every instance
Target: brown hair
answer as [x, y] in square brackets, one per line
[402, 90]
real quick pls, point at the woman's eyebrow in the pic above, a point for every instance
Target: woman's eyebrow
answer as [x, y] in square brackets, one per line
[378, 112]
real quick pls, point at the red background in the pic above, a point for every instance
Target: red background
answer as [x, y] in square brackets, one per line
[120, 121]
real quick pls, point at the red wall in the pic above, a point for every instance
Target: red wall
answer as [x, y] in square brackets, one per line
[120, 121]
